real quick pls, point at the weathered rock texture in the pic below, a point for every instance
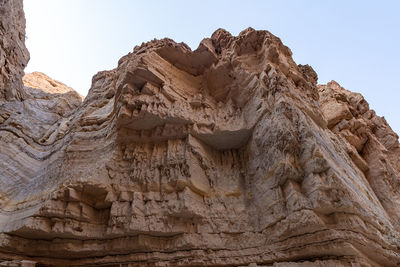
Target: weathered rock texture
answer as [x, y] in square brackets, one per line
[229, 155]
[13, 54]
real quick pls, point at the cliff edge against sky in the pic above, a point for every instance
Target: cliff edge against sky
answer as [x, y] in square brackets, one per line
[229, 155]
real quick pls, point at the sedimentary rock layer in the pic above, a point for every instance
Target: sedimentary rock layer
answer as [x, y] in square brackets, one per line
[229, 155]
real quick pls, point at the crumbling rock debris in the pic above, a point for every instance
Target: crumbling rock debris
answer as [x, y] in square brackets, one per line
[229, 155]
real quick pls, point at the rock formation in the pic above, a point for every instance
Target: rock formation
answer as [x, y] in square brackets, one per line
[13, 54]
[229, 155]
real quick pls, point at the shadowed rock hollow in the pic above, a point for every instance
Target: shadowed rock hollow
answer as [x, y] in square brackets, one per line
[229, 155]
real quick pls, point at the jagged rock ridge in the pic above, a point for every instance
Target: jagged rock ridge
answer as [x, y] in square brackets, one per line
[229, 155]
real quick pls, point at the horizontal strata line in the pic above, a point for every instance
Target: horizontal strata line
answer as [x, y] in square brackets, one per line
[178, 258]
[206, 250]
[333, 240]
[232, 250]
[176, 235]
[300, 259]
[121, 236]
[340, 230]
[118, 254]
[166, 236]
[376, 226]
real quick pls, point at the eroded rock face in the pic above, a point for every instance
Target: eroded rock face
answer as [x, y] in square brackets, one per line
[229, 155]
[13, 54]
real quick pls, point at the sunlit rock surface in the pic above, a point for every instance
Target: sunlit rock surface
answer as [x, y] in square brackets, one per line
[229, 155]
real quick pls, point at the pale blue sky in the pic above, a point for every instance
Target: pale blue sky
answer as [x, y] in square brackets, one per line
[354, 42]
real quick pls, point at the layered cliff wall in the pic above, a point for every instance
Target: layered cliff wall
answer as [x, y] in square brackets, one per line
[229, 155]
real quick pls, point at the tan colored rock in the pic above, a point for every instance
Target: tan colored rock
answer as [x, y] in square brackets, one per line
[43, 82]
[229, 155]
[371, 144]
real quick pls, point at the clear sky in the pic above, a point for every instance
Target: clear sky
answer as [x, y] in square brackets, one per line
[355, 42]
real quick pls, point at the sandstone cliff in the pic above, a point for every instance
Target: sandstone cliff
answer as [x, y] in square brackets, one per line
[229, 155]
